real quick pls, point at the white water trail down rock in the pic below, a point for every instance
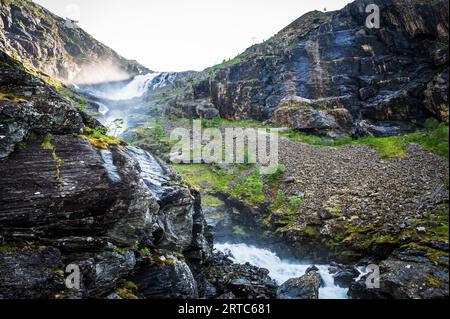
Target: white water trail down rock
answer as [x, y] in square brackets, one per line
[282, 270]
[135, 88]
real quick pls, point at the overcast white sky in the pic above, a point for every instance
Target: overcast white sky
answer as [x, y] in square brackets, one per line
[179, 35]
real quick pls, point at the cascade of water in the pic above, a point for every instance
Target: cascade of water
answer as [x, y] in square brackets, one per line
[135, 88]
[282, 270]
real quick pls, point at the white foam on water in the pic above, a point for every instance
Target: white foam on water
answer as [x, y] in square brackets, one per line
[282, 270]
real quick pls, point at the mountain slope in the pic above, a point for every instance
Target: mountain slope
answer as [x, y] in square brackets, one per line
[327, 73]
[52, 45]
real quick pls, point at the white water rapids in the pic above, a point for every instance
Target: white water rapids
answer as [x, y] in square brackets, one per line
[282, 270]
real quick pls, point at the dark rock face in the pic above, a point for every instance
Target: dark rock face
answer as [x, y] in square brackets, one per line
[343, 275]
[27, 273]
[328, 74]
[304, 287]
[58, 47]
[223, 279]
[30, 105]
[170, 280]
[65, 202]
[407, 274]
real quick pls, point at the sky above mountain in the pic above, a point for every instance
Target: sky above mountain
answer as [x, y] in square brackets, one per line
[179, 35]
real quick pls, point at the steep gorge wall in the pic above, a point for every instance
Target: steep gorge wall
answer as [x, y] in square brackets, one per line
[327, 73]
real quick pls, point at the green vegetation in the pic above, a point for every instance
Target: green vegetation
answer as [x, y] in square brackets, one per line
[222, 123]
[9, 247]
[434, 140]
[48, 145]
[210, 72]
[99, 139]
[144, 251]
[295, 202]
[15, 246]
[167, 95]
[212, 201]
[276, 177]
[202, 176]
[250, 188]
[77, 100]
[244, 183]
[337, 210]
[153, 136]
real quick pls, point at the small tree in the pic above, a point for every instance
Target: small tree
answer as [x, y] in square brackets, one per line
[117, 125]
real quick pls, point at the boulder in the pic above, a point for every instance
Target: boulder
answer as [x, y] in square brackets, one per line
[304, 287]
[171, 278]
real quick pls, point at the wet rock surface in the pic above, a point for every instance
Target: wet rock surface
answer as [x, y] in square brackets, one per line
[406, 274]
[304, 287]
[242, 281]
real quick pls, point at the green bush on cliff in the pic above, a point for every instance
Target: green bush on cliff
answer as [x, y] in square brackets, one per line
[99, 139]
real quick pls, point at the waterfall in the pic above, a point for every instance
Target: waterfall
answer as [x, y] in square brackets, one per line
[282, 270]
[135, 88]
[164, 79]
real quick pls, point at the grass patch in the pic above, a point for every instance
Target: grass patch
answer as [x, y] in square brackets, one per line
[47, 144]
[250, 188]
[202, 176]
[99, 139]
[434, 140]
[212, 201]
[275, 178]
[153, 136]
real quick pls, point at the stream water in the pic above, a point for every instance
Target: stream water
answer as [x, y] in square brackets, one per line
[281, 270]
[114, 104]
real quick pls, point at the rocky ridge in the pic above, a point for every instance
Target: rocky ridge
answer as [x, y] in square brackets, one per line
[58, 47]
[328, 74]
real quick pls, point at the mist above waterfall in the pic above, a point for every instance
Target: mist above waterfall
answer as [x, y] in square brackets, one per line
[98, 72]
[135, 88]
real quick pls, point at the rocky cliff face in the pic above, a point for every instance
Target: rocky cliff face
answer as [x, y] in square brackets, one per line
[116, 213]
[327, 73]
[58, 47]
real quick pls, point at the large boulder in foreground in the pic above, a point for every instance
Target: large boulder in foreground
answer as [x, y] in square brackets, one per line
[304, 287]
